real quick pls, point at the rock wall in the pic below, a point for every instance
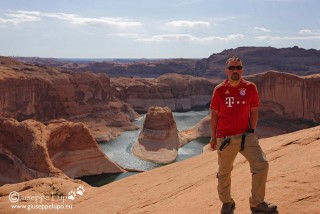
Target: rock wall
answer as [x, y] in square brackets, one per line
[159, 138]
[43, 93]
[107, 106]
[289, 96]
[30, 150]
[178, 92]
[288, 103]
[282, 95]
[46, 93]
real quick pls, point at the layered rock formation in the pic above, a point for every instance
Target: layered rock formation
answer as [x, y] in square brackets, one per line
[288, 96]
[282, 95]
[182, 92]
[30, 150]
[203, 130]
[45, 93]
[159, 138]
[294, 60]
[200, 130]
[190, 186]
[107, 105]
[288, 103]
[144, 69]
[178, 92]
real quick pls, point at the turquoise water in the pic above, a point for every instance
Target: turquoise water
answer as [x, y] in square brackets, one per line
[119, 149]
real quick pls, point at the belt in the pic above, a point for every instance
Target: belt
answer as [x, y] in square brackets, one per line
[227, 139]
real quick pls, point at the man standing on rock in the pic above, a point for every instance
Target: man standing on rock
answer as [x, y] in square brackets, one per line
[234, 118]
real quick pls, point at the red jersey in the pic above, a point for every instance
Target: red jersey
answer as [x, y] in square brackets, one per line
[234, 104]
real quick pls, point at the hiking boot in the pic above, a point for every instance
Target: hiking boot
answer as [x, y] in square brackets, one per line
[228, 208]
[264, 207]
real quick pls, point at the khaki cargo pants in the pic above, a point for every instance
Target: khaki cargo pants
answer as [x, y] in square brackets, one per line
[258, 167]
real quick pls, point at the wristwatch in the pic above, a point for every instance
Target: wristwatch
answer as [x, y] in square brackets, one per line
[250, 131]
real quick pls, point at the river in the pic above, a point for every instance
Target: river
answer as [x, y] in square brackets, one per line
[119, 149]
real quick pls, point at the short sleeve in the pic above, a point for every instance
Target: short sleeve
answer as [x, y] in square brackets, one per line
[215, 104]
[255, 102]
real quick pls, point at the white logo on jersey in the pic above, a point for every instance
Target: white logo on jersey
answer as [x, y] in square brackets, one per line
[242, 91]
[229, 101]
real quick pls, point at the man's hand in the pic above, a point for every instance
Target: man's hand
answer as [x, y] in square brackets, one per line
[213, 143]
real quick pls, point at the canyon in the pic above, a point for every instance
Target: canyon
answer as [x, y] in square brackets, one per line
[52, 116]
[108, 105]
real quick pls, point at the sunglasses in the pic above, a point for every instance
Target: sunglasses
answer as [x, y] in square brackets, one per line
[232, 68]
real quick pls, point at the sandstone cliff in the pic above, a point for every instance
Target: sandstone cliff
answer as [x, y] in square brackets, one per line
[289, 96]
[190, 186]
[288, 103]
[45, 93]
[178, 92]
[30, 150]
[159, 138]
[283, 96]
[107, 105]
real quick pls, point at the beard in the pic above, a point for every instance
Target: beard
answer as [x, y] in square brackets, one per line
[235, 76]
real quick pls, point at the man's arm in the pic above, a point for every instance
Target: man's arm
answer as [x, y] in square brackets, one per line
[253, 120]
[214, 122]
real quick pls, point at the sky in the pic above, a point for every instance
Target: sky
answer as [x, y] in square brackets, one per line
[153, 29]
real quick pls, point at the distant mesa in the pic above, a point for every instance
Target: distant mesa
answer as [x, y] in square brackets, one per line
[293, 60]
[159, 138]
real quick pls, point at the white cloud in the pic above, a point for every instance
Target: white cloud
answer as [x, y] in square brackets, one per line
[167, 37]
[188, 2]
[309, 32]
[107, 21]
[17, 18]
[304, 34]
[187, 24]
[188, 37]
[281, 38]
[23, 16]
[262, 29]
[127, 35]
